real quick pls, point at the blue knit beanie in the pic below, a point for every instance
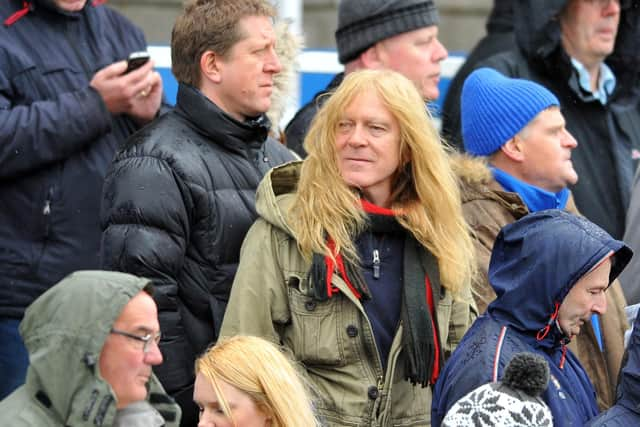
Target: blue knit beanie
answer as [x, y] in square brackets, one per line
[494, 108]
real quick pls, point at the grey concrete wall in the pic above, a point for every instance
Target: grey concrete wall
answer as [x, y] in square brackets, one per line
[462, 21]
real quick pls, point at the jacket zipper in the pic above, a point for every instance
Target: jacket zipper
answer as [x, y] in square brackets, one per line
[46, 212]
[376, 264]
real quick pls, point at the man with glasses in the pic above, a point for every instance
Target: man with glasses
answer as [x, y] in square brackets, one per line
[92, 341]
[585, 52]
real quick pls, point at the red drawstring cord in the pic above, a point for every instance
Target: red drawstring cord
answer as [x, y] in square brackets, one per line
[343, 272]
[19, 14]
[436, 362]
[564, 355]
[544, 331]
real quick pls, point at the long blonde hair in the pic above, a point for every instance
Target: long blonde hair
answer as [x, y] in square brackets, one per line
[424, 192]
[259, 369]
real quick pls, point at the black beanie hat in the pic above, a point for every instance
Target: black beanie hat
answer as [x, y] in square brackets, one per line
[363, 23]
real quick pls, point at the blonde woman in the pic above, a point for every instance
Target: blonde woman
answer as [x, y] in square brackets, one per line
[360, 262]
[246, 381]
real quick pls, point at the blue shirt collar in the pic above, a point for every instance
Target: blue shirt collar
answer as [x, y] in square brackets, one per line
[534, 197]
[606, 82]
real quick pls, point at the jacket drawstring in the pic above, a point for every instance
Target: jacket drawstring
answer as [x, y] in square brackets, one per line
[26, 8]
[341, 268]
[564, 355]
[542, 333]
[17, 15]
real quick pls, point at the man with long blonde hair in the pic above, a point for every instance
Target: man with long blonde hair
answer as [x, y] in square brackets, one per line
[363, 257]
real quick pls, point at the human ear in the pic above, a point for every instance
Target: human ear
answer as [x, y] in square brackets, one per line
[374, 57]
[210, 66]
[513, 149]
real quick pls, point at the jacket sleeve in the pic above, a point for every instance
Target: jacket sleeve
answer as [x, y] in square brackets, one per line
[259, 284]
[484, 231]
[462, 315]
[146, 228]
[47, 131]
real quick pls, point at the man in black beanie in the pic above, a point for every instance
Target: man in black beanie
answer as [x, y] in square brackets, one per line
[401, 35]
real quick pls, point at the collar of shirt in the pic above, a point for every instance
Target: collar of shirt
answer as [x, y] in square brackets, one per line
[606, 82]
[534, 197]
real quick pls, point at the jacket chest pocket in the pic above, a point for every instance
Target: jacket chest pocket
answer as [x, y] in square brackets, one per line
[319, 331]
[45, 81]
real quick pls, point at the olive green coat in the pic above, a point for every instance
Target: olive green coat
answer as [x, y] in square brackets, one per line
[333, 340]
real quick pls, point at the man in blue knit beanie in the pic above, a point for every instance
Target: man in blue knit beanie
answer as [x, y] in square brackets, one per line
[520, 163]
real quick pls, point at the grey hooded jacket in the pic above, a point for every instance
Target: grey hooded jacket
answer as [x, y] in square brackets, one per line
[64, 331]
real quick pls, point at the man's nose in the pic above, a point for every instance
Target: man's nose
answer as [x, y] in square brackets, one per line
[273, 64]
[600, 304]
[612, 7]
[440, 52]
[569, 141]
[357, 137]
[153, 356]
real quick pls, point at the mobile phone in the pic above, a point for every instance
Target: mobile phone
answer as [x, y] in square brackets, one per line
[137, 60]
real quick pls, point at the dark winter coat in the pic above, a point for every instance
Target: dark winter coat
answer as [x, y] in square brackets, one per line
[298, 127]
[57, 139]
[523, 259]
[177, 204]
[608, 135]
[499, 38]
[626, 411]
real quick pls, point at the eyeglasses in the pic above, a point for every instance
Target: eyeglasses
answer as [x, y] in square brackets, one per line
[146, 340]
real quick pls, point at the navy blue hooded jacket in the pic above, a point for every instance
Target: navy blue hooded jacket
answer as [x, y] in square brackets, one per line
[57, 139]
[626, 411]
[534, 264]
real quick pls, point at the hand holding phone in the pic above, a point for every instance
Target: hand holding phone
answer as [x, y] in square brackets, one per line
[137, 60]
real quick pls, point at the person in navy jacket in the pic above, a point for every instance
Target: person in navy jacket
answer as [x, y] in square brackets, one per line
[549, 270]
[626, 411]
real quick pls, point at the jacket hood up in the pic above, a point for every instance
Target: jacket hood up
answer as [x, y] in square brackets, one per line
[275, 195]
[65, 338]
[538, 35]
[545, 254]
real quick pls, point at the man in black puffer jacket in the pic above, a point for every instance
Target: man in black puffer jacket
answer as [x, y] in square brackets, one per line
[65, 108]
[181, 195]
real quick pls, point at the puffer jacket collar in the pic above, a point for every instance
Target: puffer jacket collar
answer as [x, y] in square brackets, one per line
[538, 35]
[218, 126]
[522, 258]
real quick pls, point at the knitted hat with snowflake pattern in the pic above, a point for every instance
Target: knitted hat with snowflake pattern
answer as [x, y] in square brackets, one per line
[514, 402]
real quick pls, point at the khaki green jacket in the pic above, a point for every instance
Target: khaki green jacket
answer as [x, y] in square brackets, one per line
[487, 207]
[333, 340]
[64, 331]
